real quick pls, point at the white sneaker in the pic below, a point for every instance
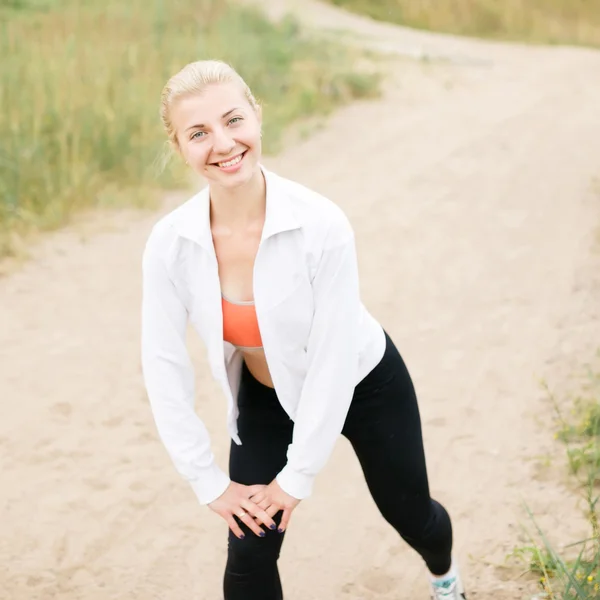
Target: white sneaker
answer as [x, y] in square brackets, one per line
[448, 588]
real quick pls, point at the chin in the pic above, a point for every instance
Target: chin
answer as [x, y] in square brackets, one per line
[234, 180]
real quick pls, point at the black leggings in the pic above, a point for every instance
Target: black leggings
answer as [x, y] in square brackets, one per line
[383, 425]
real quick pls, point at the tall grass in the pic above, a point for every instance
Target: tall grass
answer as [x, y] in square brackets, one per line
[576, 574]
[80, 82]
[574, 22]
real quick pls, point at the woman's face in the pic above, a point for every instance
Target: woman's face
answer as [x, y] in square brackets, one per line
[218, 133]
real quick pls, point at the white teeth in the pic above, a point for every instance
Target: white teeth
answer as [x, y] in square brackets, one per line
[230, 163]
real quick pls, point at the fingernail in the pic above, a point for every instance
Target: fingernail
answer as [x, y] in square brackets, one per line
[280, 530]
[273, 526]
[242, 536]
[262, 534]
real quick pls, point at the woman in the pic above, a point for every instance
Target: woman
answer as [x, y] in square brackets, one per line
[265, 269]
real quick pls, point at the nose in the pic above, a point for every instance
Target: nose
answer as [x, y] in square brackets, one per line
[223, 143]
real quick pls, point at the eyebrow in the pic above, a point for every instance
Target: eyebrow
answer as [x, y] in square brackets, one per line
[223, 116]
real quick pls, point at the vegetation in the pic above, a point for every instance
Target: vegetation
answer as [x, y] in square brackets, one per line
[80, 86]
[574, 22]
[575, 576]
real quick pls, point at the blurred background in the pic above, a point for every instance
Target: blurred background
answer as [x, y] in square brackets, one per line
[80, 82]
[80, 85]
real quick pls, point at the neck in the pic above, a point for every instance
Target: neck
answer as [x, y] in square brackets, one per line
[241, 205]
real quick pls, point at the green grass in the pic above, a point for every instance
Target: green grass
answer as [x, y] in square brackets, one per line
[576, 575]
[573, 22]
[581, 431]
[80, 88]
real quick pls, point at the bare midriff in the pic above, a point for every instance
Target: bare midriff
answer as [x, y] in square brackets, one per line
[257, 365]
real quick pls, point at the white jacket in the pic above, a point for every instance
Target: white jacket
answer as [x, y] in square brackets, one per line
[318, 338]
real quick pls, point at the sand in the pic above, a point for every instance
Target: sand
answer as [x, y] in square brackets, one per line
[470, 185]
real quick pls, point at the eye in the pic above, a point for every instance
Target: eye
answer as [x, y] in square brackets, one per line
[196, 135]
[234, 120]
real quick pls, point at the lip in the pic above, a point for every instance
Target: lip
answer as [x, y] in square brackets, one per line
[232, 167]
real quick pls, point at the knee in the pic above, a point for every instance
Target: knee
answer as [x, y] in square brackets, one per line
[253, 552]
[410, 514]
[422, 521]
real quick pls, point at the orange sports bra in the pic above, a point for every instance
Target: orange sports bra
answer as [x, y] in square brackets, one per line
[240, 325]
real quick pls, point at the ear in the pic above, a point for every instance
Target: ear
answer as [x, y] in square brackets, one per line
[259, 114]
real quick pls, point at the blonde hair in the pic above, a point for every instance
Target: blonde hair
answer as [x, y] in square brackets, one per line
[193, 79]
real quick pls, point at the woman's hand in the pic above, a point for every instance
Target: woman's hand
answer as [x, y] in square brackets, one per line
[235, 502]
[271, 499]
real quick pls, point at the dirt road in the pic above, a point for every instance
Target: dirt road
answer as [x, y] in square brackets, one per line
[470, 188]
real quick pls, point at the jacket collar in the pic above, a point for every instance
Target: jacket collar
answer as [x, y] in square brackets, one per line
[193, 220]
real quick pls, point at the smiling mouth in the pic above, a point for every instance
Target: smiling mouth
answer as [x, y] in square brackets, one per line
[231, 162]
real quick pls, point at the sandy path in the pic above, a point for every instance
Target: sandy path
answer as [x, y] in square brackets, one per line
[469, 186]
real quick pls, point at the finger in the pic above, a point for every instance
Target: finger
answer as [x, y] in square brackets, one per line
[235, 528]
[264, 504]
[285, 519]
[260, 515]
[272, 510]
[247, 519]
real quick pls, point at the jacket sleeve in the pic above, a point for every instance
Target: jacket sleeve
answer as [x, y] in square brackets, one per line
[169, 379]
[332, 363]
